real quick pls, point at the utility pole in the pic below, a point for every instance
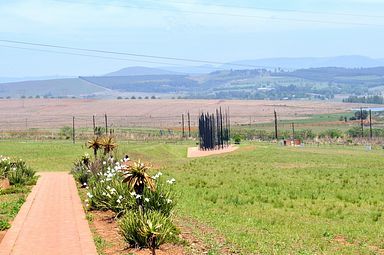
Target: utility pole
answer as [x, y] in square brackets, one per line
[370, 124]
[182, 124]
[189, 125]
[361, 122]
[106, 124]
[73, 129]
[293, 130]
[94, 124]
[275, 124]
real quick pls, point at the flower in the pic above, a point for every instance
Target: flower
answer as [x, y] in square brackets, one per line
[89, 195]
[171, 181]
[104, 162]
[138, 196]
[169, 201]
[146, 199]
[118, 201]
[133, 193]
[84, 184]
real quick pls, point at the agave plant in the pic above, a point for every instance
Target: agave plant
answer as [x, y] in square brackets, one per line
[95, 144]
[108, 143]
[137, 178]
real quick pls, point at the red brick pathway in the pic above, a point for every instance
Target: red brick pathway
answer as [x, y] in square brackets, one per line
[51, 221]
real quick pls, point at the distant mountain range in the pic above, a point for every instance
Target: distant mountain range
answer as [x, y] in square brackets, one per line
[298, 63]
[278, 78]
[289, 64]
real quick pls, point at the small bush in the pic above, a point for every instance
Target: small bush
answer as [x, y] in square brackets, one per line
[81, 170]
[162, 199]
[21, 174]
[5, 166]
[150, 229]
[111, 195]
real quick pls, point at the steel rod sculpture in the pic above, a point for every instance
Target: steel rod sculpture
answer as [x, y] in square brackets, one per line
[214, 130]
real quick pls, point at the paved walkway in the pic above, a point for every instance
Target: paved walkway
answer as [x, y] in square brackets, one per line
[51, 221]
[194, 152]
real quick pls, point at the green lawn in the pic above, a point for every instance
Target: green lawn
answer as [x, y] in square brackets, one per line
[10, 202]
[264, 198]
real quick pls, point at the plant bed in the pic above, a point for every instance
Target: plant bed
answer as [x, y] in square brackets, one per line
[16, 179]
[109, 241]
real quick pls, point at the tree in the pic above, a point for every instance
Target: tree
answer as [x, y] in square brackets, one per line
[363, 116]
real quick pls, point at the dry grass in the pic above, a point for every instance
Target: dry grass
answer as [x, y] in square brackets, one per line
[56, 113]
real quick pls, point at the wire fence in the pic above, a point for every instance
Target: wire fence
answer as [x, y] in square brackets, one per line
[154, 127]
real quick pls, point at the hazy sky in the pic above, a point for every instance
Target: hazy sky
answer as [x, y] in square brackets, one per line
[211, 30]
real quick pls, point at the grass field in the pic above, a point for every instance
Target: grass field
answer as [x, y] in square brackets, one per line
[263, 198]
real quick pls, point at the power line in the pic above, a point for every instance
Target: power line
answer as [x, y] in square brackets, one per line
[86, 55]
[128, 54]
[270, 18]
[282, 10]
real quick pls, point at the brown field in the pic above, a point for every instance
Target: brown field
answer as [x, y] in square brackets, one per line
[24, 114]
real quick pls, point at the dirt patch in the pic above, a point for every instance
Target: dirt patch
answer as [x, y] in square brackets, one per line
[194, 152]
[343, 241]
[202, 239]
[105, 226]
[4, 184]
[198, 238]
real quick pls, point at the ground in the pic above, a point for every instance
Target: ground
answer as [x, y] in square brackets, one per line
[23, 114]
[262, 198]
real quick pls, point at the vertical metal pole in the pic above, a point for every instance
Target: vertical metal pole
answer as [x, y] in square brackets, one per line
[370, 124]
[106, 124]
[94, 124]
[182, 124]
[361, 122]
[73, 129]
[275, 124]
[293, 130]
[189, 125]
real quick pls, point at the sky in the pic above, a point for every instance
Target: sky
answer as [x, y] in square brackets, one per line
[217, 31]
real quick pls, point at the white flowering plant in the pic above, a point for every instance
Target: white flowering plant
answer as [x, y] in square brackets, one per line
[17, 171]
[162, 198]
[5, 166]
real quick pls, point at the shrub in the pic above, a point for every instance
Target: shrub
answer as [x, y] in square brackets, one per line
[162, 199]
[150, 229]
[110, 194]
[331, 133]
[5, 166]
[81, 170]
[237, 139]
[21, 174]
[66, 132]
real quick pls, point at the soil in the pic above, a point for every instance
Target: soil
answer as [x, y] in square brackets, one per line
[105, 226]
[343, 241]
[4, 184]
[192, 235]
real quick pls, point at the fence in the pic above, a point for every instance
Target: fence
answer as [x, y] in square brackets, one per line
[155, 127]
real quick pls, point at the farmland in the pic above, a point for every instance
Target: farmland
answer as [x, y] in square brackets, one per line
[24, 114]
[263, 198]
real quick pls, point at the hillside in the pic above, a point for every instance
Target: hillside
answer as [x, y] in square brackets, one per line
[312, 83]
[140, 70]
[48, 88]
